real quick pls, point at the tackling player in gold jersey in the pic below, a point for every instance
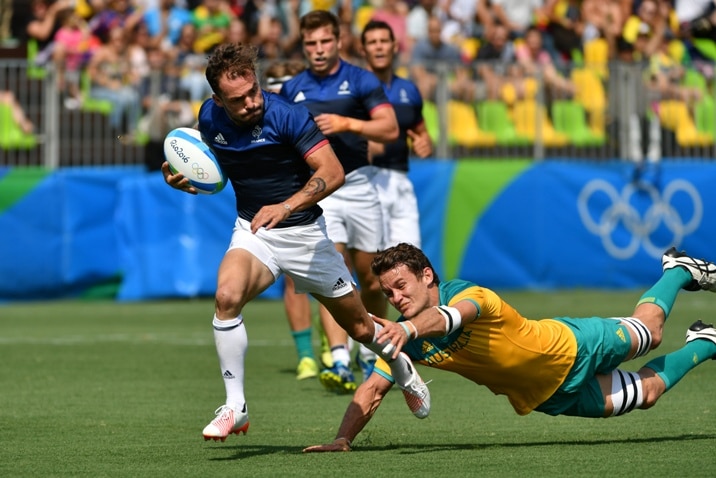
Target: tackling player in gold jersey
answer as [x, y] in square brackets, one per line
[558, 366]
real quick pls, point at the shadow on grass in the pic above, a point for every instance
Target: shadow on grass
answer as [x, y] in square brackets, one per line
[243, 452]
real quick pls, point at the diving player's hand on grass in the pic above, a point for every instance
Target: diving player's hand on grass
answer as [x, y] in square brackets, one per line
[339, 444]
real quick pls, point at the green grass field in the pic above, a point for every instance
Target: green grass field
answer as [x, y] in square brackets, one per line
[108, 389]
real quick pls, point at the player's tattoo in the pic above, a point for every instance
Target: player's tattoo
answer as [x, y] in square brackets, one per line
[314, 186]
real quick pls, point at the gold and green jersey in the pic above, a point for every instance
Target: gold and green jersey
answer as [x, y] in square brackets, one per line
[526, 360]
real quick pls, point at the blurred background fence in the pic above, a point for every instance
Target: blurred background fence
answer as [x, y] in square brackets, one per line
[611, 113]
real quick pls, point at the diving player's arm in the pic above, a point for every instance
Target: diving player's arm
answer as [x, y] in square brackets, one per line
[366, 401]
[436, 321]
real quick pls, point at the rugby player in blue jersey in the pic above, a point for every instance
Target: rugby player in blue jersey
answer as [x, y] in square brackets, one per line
[279, 165]
[350, 107]
[557, 366]
[395, 190]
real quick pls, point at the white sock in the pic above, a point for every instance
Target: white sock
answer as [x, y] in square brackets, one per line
[401, 369]
[231, 344]
[367, 354]
[341, 355]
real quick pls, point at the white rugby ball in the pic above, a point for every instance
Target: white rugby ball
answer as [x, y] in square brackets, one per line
[187, 154]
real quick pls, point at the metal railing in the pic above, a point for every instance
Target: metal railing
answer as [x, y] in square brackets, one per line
[610, 116]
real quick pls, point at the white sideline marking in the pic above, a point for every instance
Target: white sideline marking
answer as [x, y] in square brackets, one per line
[130, 339]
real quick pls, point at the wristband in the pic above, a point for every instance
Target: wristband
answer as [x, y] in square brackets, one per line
[453, 319]
[348, 442]
[406, 329]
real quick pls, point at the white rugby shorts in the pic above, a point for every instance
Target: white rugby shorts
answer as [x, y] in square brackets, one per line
[303, 252]
[399, 205]
[353, 213]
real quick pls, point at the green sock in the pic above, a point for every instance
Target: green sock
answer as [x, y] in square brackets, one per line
[674, 366]
[664, 292]
[304, 346]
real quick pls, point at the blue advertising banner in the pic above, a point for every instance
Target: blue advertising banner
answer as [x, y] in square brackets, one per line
[503, 224]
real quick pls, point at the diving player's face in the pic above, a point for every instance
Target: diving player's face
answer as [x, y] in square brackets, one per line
[379, 49]
[321, 48]
[241, 98]
[408, 293]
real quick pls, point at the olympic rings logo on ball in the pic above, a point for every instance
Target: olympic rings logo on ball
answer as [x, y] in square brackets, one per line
[199, 172]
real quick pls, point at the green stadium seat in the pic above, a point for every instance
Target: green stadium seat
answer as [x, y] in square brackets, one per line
[34, 72]
[705, 116]
[12, 137]
[694, 79]
[89, 104]
[432, 120]
[570, 118]
[495, 118]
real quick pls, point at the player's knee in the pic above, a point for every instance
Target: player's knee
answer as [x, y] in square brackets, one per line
[227, 302]
[643, 336]
[361, 332]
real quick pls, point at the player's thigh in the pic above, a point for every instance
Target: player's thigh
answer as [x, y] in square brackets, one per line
[361, 261]
[365, 225]
[312, 260]
[348, 311]
[334, 213]
[242, 276]
[403, 224]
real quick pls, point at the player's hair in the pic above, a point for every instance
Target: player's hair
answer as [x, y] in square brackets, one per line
[407, 254]
[236, 60]
[376, 25]
[317, 19]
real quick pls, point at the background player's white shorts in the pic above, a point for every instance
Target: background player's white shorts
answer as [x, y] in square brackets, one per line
[353, 213]
[399, 205]
[303, 252]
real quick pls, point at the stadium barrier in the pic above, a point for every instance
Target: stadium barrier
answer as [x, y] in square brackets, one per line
[121, 232]
[609, 117]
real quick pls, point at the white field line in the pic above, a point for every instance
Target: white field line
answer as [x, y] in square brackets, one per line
[133, 339]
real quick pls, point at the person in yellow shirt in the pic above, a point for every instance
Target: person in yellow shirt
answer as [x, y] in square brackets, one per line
[557, 366]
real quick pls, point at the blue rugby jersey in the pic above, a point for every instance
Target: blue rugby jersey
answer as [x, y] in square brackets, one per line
[264, 162]
[408, 105]
[351, 91]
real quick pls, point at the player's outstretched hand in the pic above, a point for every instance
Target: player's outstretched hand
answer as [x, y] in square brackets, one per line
[177, 181]
[392, 336]
[339, 444]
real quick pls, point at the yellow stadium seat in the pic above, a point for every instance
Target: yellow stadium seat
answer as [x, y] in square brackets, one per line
[525, 115]
[596, 56]
[463, 127]
[675, 116]
[591, 95]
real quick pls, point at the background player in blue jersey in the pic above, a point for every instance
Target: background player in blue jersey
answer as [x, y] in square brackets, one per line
[557, 366]
[395, 191]
[280, 165]
[350, 107]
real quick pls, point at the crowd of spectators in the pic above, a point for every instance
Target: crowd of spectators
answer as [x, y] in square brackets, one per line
[119, 43]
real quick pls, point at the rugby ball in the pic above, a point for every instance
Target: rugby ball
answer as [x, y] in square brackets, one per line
[187, 154]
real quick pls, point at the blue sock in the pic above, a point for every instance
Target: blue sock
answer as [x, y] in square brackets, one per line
[304, 346]
[664, 292]
[674, 366]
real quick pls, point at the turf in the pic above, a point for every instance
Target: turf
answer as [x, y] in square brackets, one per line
[109, 389]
